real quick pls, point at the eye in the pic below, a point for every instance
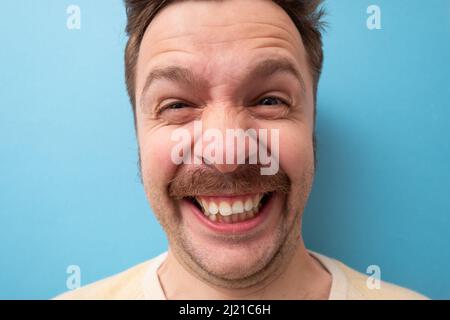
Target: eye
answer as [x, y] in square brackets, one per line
[270, 107]
[177, 111]
[271, 101]
[175, 106]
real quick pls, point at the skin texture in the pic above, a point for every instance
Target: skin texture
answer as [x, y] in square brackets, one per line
[220, 41]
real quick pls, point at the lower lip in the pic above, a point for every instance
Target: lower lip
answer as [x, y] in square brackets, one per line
[237, 227]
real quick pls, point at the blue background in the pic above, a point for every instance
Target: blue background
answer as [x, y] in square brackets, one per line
[69, 189]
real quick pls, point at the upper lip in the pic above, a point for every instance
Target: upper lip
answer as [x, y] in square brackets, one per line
[227, 193]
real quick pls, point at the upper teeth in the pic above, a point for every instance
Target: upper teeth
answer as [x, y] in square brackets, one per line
[227, 206]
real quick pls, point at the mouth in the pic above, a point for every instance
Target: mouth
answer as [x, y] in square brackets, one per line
[231, 209]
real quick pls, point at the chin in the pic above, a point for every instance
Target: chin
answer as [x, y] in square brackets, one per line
[233, 257]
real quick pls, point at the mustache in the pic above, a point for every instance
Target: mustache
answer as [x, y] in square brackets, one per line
[208, 181]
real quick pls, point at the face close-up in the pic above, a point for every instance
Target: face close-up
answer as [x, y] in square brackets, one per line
[184, 165]
[204, 183]
[247, 69]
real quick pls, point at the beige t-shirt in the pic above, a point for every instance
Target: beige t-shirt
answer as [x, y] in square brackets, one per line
[141, 282]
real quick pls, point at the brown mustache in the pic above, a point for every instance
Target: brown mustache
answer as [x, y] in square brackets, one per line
[208, 181]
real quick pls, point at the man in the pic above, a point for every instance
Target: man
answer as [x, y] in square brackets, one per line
[233, 228]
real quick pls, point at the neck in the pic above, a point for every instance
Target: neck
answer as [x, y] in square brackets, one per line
[303, 278]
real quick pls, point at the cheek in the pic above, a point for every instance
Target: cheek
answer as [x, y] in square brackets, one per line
[155, 149]
[296, 151]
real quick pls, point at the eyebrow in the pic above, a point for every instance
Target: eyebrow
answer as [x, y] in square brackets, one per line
[262, 69]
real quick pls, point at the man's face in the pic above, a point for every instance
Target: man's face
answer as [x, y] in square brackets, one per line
[231, 65]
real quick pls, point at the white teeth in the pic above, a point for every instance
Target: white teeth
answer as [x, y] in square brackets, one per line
[225, 209]
[248, 205]
[238, 207]
[212, 208]
[205, 207]
[256, 200]
[232, 210]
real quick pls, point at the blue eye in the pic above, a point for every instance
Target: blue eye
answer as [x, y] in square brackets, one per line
[271, 101]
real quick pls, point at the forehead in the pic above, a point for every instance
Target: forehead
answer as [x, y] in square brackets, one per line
[219, 39]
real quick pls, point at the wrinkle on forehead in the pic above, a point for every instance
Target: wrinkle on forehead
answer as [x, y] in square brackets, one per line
[229, 33]
[208, 39]
[219, 22]
[233, 37]
[188, 16]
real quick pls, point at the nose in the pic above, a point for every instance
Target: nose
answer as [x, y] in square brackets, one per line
[221, 128]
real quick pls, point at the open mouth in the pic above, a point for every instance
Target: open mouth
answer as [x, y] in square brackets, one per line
[231, 209]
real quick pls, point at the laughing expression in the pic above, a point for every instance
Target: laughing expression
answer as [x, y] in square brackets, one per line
[231, 65]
